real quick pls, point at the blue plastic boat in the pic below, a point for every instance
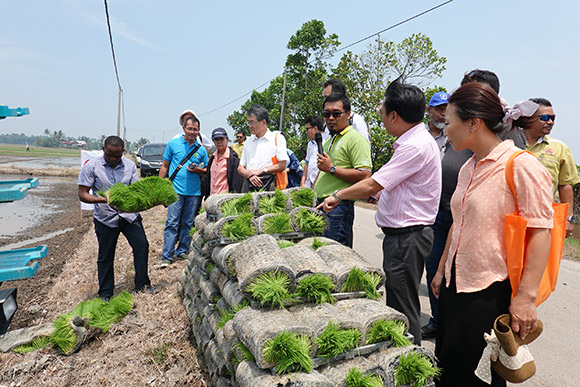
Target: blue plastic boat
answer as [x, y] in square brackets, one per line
[16, 264]
[11, 190]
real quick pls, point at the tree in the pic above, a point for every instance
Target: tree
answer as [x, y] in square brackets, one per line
[306, 71]
[142, 141]
[368, 74]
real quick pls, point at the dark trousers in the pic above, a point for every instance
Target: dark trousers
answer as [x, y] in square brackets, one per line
[107, 238]
[403, 261]
[463, 319]
[441, 228]
[341, 219]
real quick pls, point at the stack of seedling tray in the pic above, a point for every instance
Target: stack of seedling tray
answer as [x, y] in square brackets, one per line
[291, 308]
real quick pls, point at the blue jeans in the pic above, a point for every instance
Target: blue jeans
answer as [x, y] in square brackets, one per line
[107, 238]
[441, 228]
[179, 219]
[341, 220]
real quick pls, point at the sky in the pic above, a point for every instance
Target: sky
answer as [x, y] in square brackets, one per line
[55, 56]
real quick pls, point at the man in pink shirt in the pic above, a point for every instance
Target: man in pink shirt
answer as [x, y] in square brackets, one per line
[222, 169]
[410, 189]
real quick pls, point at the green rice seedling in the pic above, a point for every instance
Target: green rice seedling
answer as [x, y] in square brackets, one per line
[334, 341]
[272, 204]
[358, 280]
[271, 287]
[108, 313]
[355, 378]
[231, 267]
[209, 268]
[227, 315]
[283, 243]
[246, 353]
[64, 338]
[290, 352]
[39, 343]
[317, 243]
[277, 224]
[192, 231]
[308, 221]
[159, 354]
[237, 206]
[388, 330]
[239, 228]
[201, 210]
[302, 197]
[141, 195]
[416, 369]
[316, 287]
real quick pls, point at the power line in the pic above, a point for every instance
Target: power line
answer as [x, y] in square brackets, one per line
[341, 49]
[112, 48]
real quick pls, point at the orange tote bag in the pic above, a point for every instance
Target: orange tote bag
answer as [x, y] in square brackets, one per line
[515, 241]
[281, 177]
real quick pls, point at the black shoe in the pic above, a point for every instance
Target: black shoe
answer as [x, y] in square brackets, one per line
[148, 289]
[428, 331]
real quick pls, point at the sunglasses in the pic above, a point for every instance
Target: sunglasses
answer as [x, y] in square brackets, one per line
[239, 136]
[334, 114]
[547, 117]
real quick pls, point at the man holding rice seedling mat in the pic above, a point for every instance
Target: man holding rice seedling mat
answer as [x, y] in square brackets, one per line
[100, 174]
[410, 187]
[346, 160]
[184, 162]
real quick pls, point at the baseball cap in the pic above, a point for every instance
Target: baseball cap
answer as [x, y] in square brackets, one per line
[439, 98]
[219, 132]
[186, 113]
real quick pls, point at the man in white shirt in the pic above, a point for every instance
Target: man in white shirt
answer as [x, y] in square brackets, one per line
[264, 153]
[314, 124]
[335, 85]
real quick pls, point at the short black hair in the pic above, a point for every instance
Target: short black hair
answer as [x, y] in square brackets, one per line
[482, 76]
[334, 97]
[407, 100]
[337, 85]
[240, 132]
[541, 101]
[192, 118]
[114, 141]
[315, 121]
[260, 112]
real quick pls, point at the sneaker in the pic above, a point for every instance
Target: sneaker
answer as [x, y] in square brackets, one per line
[428, 331]
[165, 263]
[148, 289]
[181, 257]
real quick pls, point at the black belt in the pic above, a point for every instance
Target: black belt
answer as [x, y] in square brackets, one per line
[347, 203]
[402, 230]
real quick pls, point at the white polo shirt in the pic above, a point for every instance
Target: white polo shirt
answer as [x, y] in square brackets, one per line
[258, 152]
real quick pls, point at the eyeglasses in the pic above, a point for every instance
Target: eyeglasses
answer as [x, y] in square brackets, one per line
[334, 114]
[308, 128]
[252, 123]
[547, 117]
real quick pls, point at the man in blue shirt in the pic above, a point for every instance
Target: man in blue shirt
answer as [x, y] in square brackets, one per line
[187, 184]
[99, 175]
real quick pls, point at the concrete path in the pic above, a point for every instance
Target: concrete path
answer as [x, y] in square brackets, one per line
[556, 351]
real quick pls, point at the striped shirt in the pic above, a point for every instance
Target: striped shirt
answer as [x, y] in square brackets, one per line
[411, 181]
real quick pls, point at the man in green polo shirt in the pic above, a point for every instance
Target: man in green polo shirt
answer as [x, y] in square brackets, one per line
[346, 160]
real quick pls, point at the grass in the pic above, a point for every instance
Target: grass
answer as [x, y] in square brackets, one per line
[227, 315]
[277, 224]
[271, 288]
[572, 248]
[316, 243]
[39, 343]
[283, 243]
[358, 280]
[231, 267]
[388, 330]
[192, 231]
[290, 352]
[237, 206]
[308, 221]
[355, 378]
[416, 369]
[302, 197]
[334, 341]
[37, 151]
[246, 353]
[239, 228]
[209, 268]
[160, 354]
[64, 337]
[316, 287]
[272, 204]
[141, 195]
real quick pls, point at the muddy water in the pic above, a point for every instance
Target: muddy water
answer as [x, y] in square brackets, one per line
[20, 217]
[39, 162]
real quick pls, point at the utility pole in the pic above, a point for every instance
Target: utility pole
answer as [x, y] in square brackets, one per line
[282, 104]
[119, 115]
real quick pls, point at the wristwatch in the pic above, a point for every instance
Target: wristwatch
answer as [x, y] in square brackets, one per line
[571, 219]
[332, 169]
[265, 170]
[335, 195]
